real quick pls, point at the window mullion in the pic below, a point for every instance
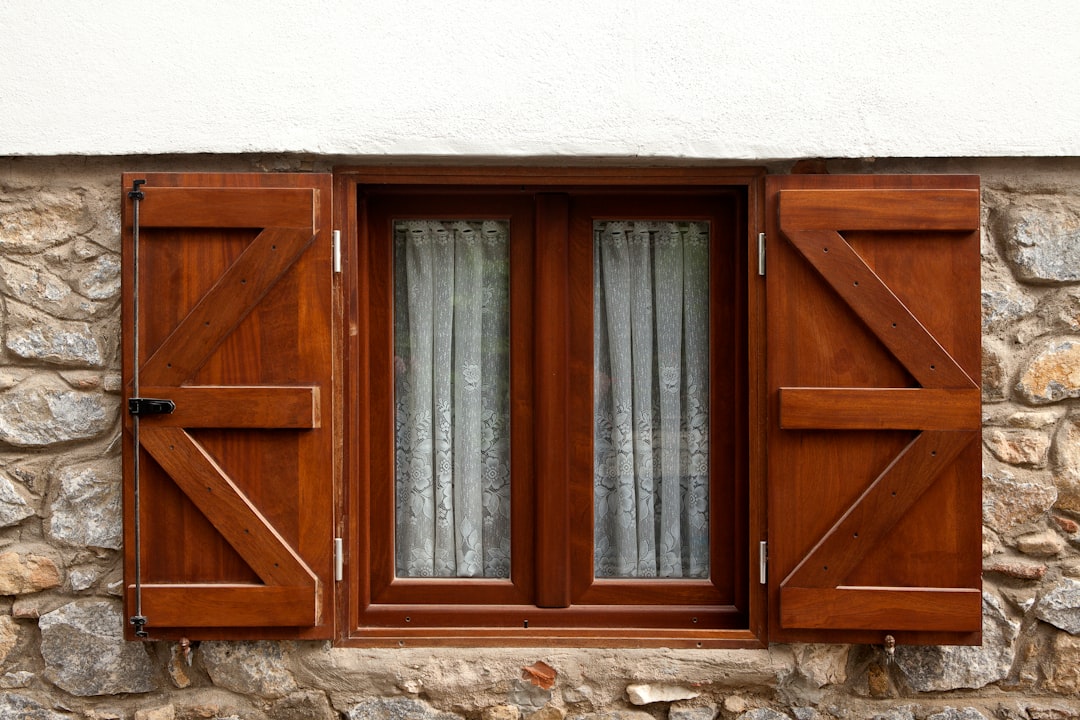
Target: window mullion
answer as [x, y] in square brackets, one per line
[552, 449]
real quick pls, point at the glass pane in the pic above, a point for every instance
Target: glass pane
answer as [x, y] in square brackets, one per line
[651, 398]
[452, 398]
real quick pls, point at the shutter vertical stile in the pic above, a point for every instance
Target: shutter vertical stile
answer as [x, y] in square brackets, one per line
[873, 359]
[235, 327]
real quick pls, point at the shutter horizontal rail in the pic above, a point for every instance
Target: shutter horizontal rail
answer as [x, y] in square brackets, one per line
[229, 208]
[229, 605]
[879, 409]
[892, 210]
[882, 608]
[260, 406]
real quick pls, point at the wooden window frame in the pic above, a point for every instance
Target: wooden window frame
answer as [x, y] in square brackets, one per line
[567, 607]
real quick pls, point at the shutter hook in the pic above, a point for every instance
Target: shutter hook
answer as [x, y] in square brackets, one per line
[185, 650]
[890, 649]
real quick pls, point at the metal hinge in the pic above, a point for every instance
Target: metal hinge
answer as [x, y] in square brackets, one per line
[339, 560]
[761, 253]
[336, 235]
[763, 561]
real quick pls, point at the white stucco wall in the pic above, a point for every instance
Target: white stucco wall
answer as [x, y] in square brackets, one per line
[696, 78]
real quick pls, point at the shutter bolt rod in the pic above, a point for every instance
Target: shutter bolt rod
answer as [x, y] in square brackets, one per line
[138, 619]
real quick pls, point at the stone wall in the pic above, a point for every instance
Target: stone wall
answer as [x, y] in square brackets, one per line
[61, 652]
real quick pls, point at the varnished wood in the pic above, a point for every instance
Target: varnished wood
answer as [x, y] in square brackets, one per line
[872, 300]
[270, 461]
[874, 209]
[226, 506]
[236, 208]
[386, 609]
[376, 539]
[870, 519]
[232, 406]
[882, 609]
[220, 605]
[226, 304]
[873, 317]
[551, 401]
[878, 409]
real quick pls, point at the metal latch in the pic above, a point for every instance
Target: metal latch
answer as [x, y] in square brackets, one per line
[150, 406]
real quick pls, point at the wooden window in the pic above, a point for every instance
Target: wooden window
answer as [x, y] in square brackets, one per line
[840, 409]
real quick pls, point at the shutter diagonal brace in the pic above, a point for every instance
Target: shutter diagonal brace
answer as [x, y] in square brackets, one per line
[138, 619]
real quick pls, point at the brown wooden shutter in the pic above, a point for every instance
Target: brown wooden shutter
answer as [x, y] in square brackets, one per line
[235, 326]
[874, 408]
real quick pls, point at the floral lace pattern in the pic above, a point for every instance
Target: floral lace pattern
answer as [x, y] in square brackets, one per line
[651, 398]
[452, 399]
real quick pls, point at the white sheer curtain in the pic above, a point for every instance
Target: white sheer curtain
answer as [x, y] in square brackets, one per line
[452, 449]
[651, 399]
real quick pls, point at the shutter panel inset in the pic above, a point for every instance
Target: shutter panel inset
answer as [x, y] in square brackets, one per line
[235, 326]
[874, 464]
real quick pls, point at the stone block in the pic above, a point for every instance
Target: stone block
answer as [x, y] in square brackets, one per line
[822, 664]
[86, 511]
[686, 711]
[165, 712]
[1064, 676]
[1060, 606]
[15, 504]
[33, 335]
[43, 219]
[501, 712]
[994, 373]
[248, 668]
[1004, 305]
[647, 693]
[1025, 448]
[26, 573]
[9, 636]
[40, 413]
[949, 713]
[303, 705]
[85, 653]
[1017, 569]
[1040, 544]
[23, 707]
[1042, 240]
[764, 714]
[952, 667]
[1066, 458]
[38, 288]
[1008, 502]
[99, 278]
[397, 708]
[1052, 374]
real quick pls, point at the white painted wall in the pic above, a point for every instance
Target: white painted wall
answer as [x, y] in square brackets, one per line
[697, 78]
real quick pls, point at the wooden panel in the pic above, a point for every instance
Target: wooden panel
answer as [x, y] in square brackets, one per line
[884, 609]
[236, 318]
[259, 406]
[879, 409]
[866, 209]
[228, 302]
[220, 605]
[234, 208]
[870, 519]
[873, 318]
[226, 507]
[884, 314]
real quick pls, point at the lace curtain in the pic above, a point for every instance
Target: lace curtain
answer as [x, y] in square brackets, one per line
[651, 399]
[451, 355]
